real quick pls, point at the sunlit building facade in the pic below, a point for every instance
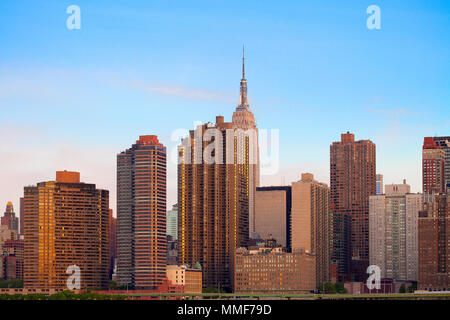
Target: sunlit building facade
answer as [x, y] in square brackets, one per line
[311, 223]
[393, 244]
[352, 181]
[66, 223]
[217, 177]
[141, 214]
[272, 271]
[9, 218]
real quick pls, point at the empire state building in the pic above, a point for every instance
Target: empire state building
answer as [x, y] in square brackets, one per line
[244, 119]
[216, 199]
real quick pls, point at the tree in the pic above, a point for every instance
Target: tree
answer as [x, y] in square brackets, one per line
[340, 287]
[332, 288]
[412, 287]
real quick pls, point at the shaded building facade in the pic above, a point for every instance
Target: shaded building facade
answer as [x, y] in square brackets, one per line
[352, 181]
[12, 257]
[172, 222]
[273, 214]
[141, 214]
[434, 243]
[66, 223]
[112, 242]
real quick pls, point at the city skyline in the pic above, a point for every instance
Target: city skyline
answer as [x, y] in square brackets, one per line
[57, 111]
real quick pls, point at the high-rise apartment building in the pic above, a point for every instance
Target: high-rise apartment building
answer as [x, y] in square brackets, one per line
[66, 223]
[379, 184]
[6, 234]
[352, 181]
[12, 259]
[172, 222]
[311, 222]
[273, 214]
[141, 214]
[434, 243]
[9, 218]
[393, 232]
[217, 178]
[433, 165]
[213, 201]
[21, 217]
[112, 242]
[444, 142]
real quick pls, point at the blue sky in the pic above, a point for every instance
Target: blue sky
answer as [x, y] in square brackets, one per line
[73, 99]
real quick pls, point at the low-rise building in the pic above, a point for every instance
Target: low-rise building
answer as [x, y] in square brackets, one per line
[190, 278]
[271, 270]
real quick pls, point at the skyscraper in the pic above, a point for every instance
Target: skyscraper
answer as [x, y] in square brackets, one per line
[66, 224]
[172, 222]
[21, 217]
[393, 232]
[434, 243]
[141, 214]
[273, 214]
[310, 223]
[9, 218]
[213, 201]
[217, 178]
[352, 181]
[112, 242]
[433, 164]
[243, 119]
[379, 184]
[444, 142]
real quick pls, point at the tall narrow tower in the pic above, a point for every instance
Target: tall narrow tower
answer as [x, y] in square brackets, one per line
[9, 219]
[433, 166]
[217, 178]
[352, 181]
[243, 119]
[141, 213]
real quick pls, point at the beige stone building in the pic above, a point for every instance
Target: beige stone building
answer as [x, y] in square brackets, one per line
[310, 222]
[190, 278]
[272, 214]
[270, 270]
[393, 235]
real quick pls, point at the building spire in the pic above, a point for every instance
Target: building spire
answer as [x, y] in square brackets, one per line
[243, 62]
[243, 101]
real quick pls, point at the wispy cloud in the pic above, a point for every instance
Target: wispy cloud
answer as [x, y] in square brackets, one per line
[47, 82]
[390, 111]
[179, 91]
